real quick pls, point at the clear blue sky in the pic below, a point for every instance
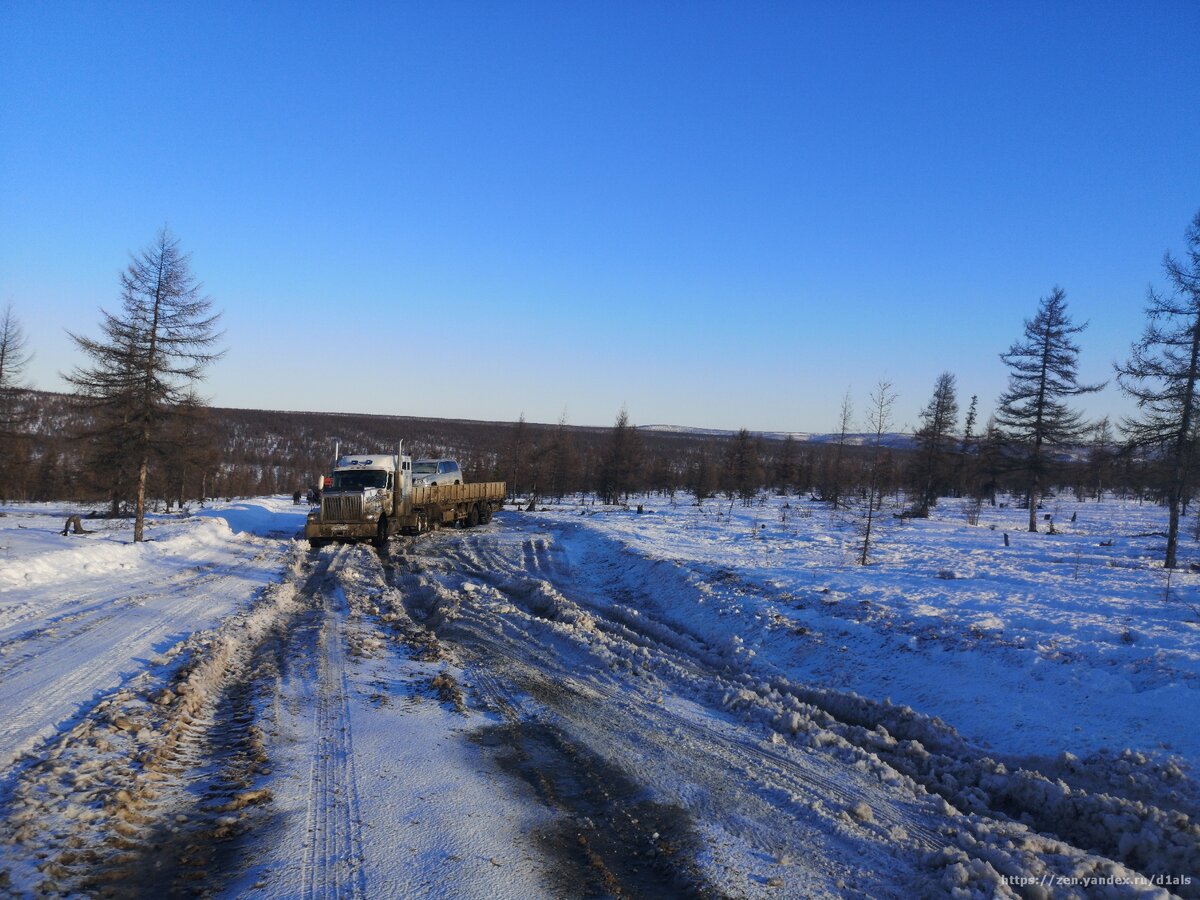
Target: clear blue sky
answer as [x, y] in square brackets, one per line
[718, 214]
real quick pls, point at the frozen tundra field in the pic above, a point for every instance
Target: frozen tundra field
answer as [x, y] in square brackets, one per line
[702, 701]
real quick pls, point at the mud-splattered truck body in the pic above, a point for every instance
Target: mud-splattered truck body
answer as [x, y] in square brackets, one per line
[372, 497]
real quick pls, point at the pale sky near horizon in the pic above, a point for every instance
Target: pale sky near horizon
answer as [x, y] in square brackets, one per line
[716, 214]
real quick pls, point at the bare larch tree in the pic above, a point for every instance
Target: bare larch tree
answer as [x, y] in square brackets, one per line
[1161, 375]
[933, 468]
[14, 357]
[518, 451]
[743, 467]
[879, 420]
[622, 461]
[1042, 373]
[835, 476]
[150, 355]
[564, 460]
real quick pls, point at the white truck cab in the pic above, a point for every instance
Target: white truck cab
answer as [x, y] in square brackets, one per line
[362, 494]
[367, 471]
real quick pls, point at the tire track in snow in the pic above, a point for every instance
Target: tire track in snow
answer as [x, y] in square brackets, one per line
[147, 792]
[91, 599]
[549, 698]
[1118, 830]
[333, 851]
[696, 662]
[737, 772]
[843, 729]
[42, 681]
[611, 840]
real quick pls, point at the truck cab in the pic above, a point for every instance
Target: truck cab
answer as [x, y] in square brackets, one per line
[361, 497]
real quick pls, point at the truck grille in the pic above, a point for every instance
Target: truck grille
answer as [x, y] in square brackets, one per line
[342, 508]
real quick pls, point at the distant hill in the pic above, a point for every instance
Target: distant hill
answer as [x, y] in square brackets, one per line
[894, 439]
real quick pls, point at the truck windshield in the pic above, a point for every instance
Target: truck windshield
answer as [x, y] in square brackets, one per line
[359, 479]
[424, 468]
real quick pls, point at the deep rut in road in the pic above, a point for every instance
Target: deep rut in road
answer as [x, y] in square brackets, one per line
[149, 791]
[610, 838]
[574, 725]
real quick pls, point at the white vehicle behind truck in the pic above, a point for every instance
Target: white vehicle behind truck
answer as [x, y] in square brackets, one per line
[436, 471]
[372, 497]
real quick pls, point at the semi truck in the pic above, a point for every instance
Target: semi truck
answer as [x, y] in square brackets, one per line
[370, 497]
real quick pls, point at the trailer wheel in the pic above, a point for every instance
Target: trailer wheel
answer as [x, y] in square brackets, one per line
[473, 515]
[485, 513]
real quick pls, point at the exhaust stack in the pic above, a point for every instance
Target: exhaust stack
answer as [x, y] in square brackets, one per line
[397, 480]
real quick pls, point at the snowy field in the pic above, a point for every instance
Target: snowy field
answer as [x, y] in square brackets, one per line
[1066, 642]
[587, 701]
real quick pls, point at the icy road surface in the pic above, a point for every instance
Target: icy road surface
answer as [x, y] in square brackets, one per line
[594, 703]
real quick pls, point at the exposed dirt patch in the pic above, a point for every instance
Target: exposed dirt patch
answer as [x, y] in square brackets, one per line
[611, 840]
[448, 690]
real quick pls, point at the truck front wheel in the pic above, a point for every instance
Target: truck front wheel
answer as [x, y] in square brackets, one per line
[381, 533]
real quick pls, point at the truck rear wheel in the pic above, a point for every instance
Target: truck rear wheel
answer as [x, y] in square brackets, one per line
[473, 515]
[485, 513]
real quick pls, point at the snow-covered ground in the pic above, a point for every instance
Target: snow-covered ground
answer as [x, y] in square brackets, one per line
[79, 614]
[589, 701]
[1070, 641]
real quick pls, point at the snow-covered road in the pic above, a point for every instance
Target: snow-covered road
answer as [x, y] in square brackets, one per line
[77, 622]
[572, 704]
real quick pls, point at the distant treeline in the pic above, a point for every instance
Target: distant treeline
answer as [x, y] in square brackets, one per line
[245, 452]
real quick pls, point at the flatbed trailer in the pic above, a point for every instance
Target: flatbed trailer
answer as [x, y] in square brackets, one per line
[446, 504]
